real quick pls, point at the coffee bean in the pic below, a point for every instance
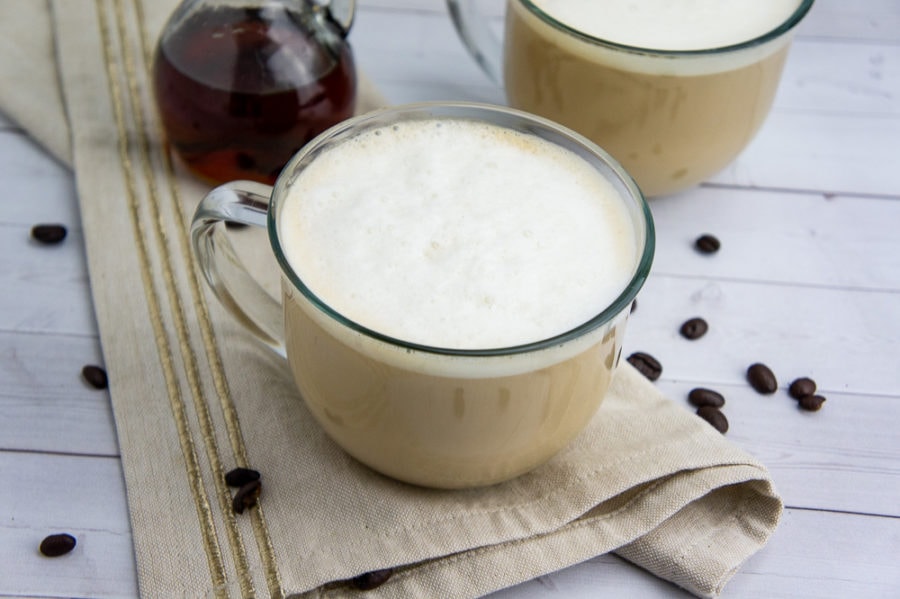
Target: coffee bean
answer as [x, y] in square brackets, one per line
[694, 328]
[762, 378]
[715, 417]
[802, 386]
[48, 234]
[246, 496]
[700, 397]
[707, 244]
[633, 305]
[233, 224]
[372, 580]
[646, 365]
[95, 376]
[240, 477]
[811, 403]
[58, 544]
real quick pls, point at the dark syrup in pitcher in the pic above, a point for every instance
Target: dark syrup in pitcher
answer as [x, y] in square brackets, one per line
[240, 90]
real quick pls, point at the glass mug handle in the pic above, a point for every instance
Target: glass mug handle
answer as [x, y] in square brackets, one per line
[244, 202]
[473, 28]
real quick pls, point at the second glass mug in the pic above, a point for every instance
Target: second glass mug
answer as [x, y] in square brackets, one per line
[672, 118]
[429, 415]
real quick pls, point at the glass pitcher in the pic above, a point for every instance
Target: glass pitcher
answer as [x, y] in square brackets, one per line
[241, 85]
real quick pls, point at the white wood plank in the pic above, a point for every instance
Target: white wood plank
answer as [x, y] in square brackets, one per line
[832, 153]
[820, 555]
[844, 457]
[47, 284]
[871, 20]
[46, 404]
[809, 557]
[427, 54]
[79, 495]
[833, 76]
[846, 340]
[36, 187]
[779, 237]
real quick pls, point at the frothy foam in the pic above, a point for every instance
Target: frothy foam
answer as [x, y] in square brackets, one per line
[671, 24]
[458, 234]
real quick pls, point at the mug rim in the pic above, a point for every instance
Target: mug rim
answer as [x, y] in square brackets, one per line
[784, 27]
[638, 209]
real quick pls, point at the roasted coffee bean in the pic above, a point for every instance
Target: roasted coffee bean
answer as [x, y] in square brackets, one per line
[246, 496]
[811, 403]
[240, 477]
[762, 378]
[707, 244]
[58, 544]
[700, 397]
[694, 328]
[715, 417]
[646, 365]
[95, 376]
[233, 224]
[802, 386]
[48, 233]
[372, 580]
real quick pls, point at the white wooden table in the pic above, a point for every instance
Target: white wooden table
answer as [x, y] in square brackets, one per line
[807, 281]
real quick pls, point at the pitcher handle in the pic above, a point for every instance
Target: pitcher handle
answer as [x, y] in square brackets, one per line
[340, 12]
[482, 43]
[244, 202]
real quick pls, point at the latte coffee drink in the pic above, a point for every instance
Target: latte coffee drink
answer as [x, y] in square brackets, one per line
[673, 89]
[455, 284]
[457, 235]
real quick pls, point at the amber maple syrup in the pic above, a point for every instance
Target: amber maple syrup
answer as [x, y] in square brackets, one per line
[241, 90]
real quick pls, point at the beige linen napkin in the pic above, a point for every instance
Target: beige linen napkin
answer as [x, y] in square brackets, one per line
[195, 396]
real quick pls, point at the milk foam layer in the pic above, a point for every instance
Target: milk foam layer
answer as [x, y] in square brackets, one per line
[671, 24]
[458, 234]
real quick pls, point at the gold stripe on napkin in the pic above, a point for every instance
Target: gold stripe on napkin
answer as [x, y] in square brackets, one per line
[194, 395]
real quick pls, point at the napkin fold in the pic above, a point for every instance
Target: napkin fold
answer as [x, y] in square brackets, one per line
[194, 395]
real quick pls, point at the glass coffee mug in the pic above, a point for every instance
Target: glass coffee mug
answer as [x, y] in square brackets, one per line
[673, 90]
[475, 390]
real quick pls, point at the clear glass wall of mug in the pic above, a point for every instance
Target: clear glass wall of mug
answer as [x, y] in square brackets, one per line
[674, 94]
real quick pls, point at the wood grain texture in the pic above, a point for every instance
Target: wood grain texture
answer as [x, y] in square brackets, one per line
[807, 280]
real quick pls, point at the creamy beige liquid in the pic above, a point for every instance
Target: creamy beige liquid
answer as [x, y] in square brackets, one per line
[462, 235]
[671, 122]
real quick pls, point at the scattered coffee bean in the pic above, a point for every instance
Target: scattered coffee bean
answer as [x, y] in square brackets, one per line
[762, 378]
[233, 224]
[58, 544]
[694, 328]
[95, 376]
[811, 403]
[707, 244]
[802, 386]
[700, 397]
[646, 365]
[48, 233]
[240, 477]
[715, 417]
[246, 496]
[372, 580]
